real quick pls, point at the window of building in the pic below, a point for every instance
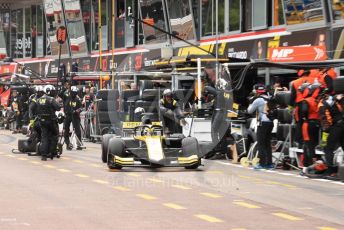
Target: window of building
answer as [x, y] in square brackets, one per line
[196, 14]
[277, 13]
[27, 42]
[152, 12]
[259, 14]
[38, 33]
[75, 27]
[86, 9]
[337, 9]
[180, 16]
[234, 15]
[208, 11]
[4, 34]
[303, 11]
[55, 19]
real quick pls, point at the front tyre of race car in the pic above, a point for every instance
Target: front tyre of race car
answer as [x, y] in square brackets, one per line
[105, 146]
[116, 148]
[190, 149]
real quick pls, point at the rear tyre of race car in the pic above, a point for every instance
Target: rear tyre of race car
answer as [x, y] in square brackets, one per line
[190, 147]
[116, 148]
[105, 146]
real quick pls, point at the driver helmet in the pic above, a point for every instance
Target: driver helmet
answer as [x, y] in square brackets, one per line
[146, 120]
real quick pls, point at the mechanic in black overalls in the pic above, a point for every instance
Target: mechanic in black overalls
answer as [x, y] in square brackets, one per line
[171, 113]
[223, 102]
[47, 106]
[33, 111]
[72, 111]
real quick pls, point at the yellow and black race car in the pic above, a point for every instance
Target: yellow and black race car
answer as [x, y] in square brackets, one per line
[148, 146]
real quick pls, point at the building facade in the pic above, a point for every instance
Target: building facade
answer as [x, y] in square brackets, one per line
[275, 30]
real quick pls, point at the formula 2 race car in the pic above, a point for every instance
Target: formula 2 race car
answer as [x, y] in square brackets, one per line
[148, 146]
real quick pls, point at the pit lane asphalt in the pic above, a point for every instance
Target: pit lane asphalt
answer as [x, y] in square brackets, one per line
[79, 192]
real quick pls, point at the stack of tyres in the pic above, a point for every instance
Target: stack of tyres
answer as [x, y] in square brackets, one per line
[107, 115]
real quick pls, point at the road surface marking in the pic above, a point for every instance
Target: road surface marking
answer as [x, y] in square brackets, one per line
[81, 175]
[49, 166]
[210, 219]
[36, 162]
[281, 184]
[122, 188]
[133, 174]
[1, 153]
[66, 158]
[96, 165]
[286, 216]
[174, 206]
[9, 155]
[22, 159]
[155, 180]
[78, 161]
[215, 172]
[211, 195]
[146, 196]
[64, 170]
[305, 208]
[326, 228]
[181, 187]
[101, 181]
[245, 177]
[246, 205]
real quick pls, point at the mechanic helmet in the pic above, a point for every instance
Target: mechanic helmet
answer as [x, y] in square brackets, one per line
[49, 90]
[74, 91]
[39, 90]
[259, 89]
[167, 93]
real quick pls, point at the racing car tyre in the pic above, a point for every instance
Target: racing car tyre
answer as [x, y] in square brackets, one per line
[105, 146]
[116, 147]
[190, 147]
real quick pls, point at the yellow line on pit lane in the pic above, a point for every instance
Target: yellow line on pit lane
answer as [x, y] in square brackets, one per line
[9, 155]
[146, 196]
[49, 166]
[64, 170]
[181, 187]
[22, 158]
[155, 180]
[326, 228]
[286, 216]
[133, 174]
[78, 161]
[36, 162]
[101, 181]
[215, 172]
[207, 218]
[81, 175]
[96, 165]
[246, 205]
[174, 206]
[211, 195]
[122, 188]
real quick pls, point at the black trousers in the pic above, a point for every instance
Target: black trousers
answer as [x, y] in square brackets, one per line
[310, 134]
[75, 120]
[49, 139]
[264, 143]
[19, 121]
[335, 139]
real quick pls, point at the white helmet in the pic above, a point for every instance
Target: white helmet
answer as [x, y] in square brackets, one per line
[39, 88]
[48, 88]
[74, 89]
[167, 92]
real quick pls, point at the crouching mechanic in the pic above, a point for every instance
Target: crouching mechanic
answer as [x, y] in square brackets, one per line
[72, 111]
[171, 113]
[46, 109]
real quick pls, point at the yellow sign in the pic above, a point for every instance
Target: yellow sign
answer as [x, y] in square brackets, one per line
[131, 125]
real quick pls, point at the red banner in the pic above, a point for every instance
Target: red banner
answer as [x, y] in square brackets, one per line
[297, 53]
[7, 69]
[5, 96]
